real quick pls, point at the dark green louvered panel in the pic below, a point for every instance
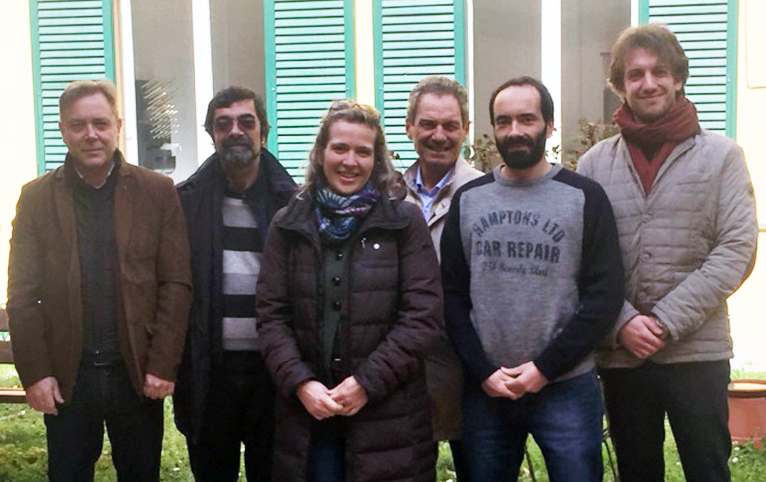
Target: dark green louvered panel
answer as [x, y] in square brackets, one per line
[71, 40]
[413, 40]
[309, 63]
[707, 30]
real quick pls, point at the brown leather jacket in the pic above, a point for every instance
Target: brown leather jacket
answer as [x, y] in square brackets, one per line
[44, 296]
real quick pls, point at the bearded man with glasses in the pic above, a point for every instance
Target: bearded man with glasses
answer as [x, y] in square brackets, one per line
[224, 395]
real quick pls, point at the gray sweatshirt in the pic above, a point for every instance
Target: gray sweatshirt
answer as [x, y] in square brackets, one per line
[532, 271]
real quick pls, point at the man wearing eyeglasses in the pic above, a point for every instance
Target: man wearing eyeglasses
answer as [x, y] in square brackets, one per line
[224, 395]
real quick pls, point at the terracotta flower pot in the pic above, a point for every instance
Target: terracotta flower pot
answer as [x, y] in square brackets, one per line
[747, 411]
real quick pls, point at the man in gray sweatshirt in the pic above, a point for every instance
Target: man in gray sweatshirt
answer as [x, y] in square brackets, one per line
[533, 278]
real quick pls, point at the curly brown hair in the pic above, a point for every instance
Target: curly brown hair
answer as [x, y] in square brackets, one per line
[653, 38]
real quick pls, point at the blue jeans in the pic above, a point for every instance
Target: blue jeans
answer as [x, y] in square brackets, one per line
[564, 418]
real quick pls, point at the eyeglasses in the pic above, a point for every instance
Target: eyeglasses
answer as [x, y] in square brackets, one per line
[225, 124]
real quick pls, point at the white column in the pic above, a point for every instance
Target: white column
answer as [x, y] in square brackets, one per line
[634, 13]
[550, 54]
[128, 83]
[203, 73]
[364, 50]
[469, 61]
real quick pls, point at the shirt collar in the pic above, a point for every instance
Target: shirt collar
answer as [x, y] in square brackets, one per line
[116, 160]
[439, 185]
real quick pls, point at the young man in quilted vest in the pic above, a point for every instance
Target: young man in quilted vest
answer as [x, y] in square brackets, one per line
[685, 213]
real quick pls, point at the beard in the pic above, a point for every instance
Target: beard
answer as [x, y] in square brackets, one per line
[520, 159]
[238, 151]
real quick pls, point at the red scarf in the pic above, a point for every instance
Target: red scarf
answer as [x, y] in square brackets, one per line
[651, 144]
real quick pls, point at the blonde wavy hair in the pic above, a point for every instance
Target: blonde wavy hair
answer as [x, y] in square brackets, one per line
[384, 177]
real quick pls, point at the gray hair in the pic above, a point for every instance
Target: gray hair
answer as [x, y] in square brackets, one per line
[439, 85]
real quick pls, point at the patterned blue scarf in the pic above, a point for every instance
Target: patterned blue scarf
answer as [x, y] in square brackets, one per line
[339, 216]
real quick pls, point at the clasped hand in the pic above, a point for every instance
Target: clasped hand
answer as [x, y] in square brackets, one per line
[346, 399]
[514, 382]
[643, 336]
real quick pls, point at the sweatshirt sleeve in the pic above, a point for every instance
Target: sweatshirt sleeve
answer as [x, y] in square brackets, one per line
[601, 288]
[456, 277]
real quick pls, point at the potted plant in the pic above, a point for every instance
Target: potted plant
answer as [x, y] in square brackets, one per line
[747, 411]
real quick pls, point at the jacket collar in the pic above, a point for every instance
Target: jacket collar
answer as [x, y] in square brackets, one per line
[119, 162]
[271, 173]
[461, 172]
[676, 153]
[64, 202]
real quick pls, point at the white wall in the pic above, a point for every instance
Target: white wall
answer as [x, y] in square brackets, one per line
[589, 28]
[17, 124]
[238, 50]
[506, 45]
[746, 306]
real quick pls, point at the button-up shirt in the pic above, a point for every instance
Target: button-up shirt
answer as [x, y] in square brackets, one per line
[427, 197]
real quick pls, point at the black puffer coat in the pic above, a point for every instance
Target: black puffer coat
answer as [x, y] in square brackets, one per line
[390, 319]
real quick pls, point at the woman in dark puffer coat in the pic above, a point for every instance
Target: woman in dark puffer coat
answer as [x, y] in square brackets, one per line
[349, 300]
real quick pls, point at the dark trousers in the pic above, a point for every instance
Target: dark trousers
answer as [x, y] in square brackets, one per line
[239, 409]
[564, 418]
[694, 397]
[101, 395]
[460, 460]
[327, 460]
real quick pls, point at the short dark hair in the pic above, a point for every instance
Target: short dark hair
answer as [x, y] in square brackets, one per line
[653, 38]
[78, 89]
[439, 85]
[546, 101]
[230, 95]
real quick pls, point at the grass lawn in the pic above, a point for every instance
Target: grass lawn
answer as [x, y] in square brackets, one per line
[23, 456]
[22, 444]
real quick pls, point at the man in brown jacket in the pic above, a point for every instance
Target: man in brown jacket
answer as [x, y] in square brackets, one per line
[437, 123]
[98, 296]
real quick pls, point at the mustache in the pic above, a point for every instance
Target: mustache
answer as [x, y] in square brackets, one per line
[236, 141]
[515, 141]
[430, 143]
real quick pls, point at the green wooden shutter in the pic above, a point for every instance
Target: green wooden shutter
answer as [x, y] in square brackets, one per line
[71, 40]
[413, 40]
[707, 30]
[309, 63]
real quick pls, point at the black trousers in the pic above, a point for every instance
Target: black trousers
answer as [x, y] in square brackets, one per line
[104, 395]
[459, 459]
[239, 409]
[694, 397]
